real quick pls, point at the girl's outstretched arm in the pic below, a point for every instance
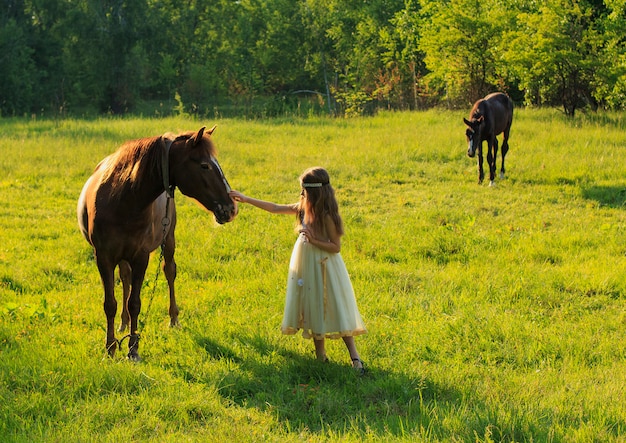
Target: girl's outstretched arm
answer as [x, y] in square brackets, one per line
[265, 205]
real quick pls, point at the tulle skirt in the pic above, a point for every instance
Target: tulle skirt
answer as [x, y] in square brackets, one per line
[320, 299]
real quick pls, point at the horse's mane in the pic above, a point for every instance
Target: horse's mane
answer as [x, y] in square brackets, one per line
[133, 160]
[477, 110]
[137, 159]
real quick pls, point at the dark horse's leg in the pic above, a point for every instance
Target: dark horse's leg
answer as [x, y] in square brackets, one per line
[125, 276]
[169, 268]
[492, 153]
[110, 304]
[505, 148]
[138, 267]
[481, 174]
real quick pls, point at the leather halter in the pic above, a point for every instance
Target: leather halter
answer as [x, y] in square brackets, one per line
[165, 168]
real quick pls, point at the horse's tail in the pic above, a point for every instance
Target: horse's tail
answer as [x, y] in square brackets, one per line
[81, 210]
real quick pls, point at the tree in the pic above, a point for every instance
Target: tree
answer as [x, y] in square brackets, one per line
[405, 48]
[610, 79]
[555, 51]
[362, 52]
[461, 40]
[17, 70]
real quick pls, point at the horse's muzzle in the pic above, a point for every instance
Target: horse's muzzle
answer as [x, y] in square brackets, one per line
[225, 214]
[471, 152]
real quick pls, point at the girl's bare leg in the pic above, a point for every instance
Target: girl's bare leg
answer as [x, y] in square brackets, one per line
[354, 354]
[320, 350]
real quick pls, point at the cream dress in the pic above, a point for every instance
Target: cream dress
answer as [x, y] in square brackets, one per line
[320, 299]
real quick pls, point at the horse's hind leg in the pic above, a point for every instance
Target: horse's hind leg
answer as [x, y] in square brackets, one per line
[125, 277]
[138, 267]
[169, 269]
[110, 304]
[505, 148]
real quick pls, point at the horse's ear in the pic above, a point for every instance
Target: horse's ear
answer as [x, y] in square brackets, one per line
[197, 136]
[467, 122]
[480, 119]
[210, 131]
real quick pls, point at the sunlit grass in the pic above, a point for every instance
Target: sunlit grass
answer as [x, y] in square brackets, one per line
[494, 314]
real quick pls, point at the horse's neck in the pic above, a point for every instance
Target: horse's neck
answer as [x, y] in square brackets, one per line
[140, 194]
[150, 188]
[151, 184]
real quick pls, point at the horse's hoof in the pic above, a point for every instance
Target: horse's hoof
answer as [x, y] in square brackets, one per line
[134, 357]
[133, 347]
[111, 347]
[174, 324]
[492, 183]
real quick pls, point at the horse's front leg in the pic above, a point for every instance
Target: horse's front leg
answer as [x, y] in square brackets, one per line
[125, 277]
[492, 153]
[138, 267]
[481, 174]
[107, 275]
[169, 269]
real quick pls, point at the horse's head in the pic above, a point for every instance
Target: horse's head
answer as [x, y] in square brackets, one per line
[196, 172]
[472, 134]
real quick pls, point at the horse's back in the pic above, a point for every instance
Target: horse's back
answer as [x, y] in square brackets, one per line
[501, 110]
[500, 100]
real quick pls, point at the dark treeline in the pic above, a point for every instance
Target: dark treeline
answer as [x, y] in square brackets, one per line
[347, 56]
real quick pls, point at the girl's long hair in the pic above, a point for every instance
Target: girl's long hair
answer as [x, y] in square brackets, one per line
[318, 201]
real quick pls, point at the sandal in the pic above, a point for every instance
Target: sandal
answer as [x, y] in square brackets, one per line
[359, 370]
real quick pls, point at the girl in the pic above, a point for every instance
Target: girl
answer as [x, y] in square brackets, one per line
[320, 299]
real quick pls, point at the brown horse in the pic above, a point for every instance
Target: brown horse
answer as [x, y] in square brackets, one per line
[126, 210]
[489, 117]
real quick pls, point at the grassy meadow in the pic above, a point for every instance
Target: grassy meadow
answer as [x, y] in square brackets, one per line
[494, 313]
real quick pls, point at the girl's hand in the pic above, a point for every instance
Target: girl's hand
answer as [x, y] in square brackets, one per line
[237, 196]
[306, 233]
[331, 244]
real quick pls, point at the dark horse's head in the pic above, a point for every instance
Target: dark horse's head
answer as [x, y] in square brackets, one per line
[196, 172]
[473, 133]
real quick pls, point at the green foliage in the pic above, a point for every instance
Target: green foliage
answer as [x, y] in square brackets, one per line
[461, 40]
[16, 70]
[611, 79]
[494, 314]
[557, 50]
[83, 56]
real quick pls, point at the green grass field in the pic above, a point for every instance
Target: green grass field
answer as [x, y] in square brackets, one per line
[494, 313]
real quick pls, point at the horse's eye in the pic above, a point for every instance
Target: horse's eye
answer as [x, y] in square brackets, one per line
[205, 166]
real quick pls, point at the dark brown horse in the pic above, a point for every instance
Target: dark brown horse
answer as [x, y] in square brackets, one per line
[489, 117]
[126, 210]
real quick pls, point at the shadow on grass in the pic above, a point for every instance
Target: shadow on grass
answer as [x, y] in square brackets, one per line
[611, 196]
[332, 399]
